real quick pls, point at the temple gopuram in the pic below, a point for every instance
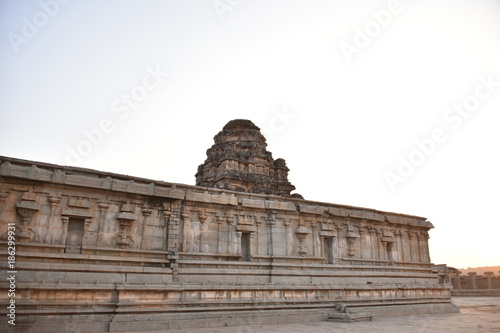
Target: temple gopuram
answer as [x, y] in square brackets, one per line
[103, 252]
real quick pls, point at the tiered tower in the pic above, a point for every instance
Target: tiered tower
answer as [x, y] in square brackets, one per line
[239, 161]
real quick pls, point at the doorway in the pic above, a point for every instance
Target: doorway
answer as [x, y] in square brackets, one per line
[74, 236]
[246, 254]
[328, 250]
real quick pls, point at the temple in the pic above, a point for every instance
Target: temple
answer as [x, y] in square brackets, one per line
[103, 252]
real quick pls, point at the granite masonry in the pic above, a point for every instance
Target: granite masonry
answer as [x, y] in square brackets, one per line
[99, 252]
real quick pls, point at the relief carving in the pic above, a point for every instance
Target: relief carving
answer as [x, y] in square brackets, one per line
[26, 209]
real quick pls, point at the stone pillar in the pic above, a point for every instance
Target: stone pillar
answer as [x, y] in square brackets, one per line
[400, 245]
[220, 220]
[53, 201]
[146, 212]
[271, 223]
[378, 245]
[86, 226]
[488, 276]
[230, 242]
[390, 247]
[361, 233]
[419, 248]
[186, 225]
[252, 241]
[103, 223]
[473, 279]
[202, 218]
[287, 238]
[322, 246]
[314, 241]
[427, 256]
[65, 220]
[338, 250]
[371, 232]
[258, 223]
[410, 245]
[238, 242]
[457, 277]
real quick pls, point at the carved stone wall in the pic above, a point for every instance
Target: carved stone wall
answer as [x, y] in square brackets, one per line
[97, 251]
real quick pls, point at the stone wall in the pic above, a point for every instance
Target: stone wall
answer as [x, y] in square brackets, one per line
[123, 253]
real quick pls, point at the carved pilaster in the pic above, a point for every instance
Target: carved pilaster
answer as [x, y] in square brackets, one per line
[186, 225]
[202, 217]
[220, 219]
[26, 209]
[419, 247]
[53, 202]
[229, 218]
[271, 222]
[86, 227]
[170, 242]
[64, 220]
[287, 237]
[378, 244]
[314, 227]
[238, 242]
[409, 236]
[425, 247]
[371, 233]
[258, 223]
[103, 222]
[361, 233]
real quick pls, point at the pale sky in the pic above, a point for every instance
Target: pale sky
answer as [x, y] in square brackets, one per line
[392, 105]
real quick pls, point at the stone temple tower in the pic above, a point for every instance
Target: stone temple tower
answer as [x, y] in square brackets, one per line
[239, 161]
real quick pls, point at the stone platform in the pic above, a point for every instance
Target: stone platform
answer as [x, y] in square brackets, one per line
[477, 315]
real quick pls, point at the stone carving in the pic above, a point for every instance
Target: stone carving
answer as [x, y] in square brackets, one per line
[301, 233]
[26, 209]
[125, 218]
[239, 161]
[351, 236]
[3, 196]
[79, 202]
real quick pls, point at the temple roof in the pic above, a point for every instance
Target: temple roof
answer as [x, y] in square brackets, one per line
[239, 161]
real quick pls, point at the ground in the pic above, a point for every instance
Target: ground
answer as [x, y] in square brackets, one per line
[478, 314]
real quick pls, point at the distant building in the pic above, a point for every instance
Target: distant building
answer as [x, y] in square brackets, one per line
[97, 251]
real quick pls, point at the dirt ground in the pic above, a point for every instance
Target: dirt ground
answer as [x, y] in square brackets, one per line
[477, 314]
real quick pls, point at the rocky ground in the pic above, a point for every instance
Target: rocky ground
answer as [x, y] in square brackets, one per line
[478, 314]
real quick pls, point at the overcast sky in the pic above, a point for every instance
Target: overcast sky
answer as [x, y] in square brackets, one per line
[392, 105]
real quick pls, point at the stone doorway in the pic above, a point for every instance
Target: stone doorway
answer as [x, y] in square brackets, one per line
[328, 250]
[74, 237]
[246, 254]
